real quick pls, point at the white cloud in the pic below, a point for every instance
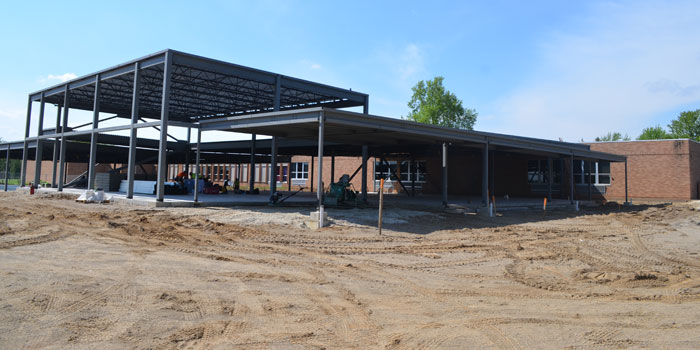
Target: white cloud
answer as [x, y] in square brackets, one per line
[315, 66]
[406, 64]
[62, 78]
[622, 67]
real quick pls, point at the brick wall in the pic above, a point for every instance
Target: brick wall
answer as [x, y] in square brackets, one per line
[658, 169]
[74, 170]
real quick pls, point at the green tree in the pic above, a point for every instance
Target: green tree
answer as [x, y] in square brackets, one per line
[687, 125]
[654, 133]
[612, 136]
[433, 104]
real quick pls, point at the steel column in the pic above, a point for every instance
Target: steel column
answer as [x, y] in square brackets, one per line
[365, 154]
[311, 182]
[164, 112]
[289, 176]
[187, 155]
[550, 179]
[571, 178]
[133, 133]
[55, 147]
[25, 149]
[444, 174]
[319, 178]
[274, 169]
[196, 159]
[333, 167]
[626, 198]
[64, 125]
[492, 165]
[485, 175]
[590, 182]
[93, 138]
[39, 149]
[7, 166]
[251, 178]
[365, 106]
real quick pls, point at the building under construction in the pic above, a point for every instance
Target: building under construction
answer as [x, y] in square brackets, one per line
[300, 132]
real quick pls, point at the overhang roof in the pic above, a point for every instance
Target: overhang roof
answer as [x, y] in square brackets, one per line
[349, 128]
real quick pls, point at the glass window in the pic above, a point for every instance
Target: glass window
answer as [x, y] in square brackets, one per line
[300, 171]
[538, 171]
[384, 170]
[603, 173]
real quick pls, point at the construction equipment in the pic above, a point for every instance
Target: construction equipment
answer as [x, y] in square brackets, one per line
[341, 192]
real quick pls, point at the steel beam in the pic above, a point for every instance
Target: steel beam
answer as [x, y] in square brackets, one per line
[251, 178]
[133, 132]
[93, 136]
[319, 190]
[444, 174]
[485, 175]
[196, 167]
[164, 110]
[274, 170]
[25, 149]
[64, 123]
[39, 149]
[365, 154]
[56, 142]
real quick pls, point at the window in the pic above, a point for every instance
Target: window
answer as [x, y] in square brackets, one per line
[244, 172]
[603, 173]
[413, 171]
[384, 170]
[538, 171]
[300, 171]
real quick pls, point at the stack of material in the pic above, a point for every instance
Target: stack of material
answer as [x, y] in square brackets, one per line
[143, 187]
[107, 181]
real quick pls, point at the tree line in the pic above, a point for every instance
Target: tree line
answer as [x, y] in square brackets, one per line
[685, 126]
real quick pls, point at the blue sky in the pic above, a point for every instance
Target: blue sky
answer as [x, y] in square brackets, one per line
[561, 69]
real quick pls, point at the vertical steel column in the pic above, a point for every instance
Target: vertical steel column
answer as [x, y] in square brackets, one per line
[164, 113]
[64, 126]
[39, 144]
[485, 175]
[25, 149]
[550, 179]
[365, 106]
[413, 172]
[365, 155]
[571, 178]
[251, 171]
[444, 174]
[333, 166]
[590, 182]
[289, 175]
[319, 179]
[7, 166]
[93, 138]
[187, 153]
[492, 165]
[55, 147]
[311, 182]
[626, 198]
[196, 159]
[133, 132]
[274, 169]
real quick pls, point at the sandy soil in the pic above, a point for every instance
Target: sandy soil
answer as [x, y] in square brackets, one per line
[76, 276]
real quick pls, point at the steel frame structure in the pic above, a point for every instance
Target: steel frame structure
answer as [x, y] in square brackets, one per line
[173, 88]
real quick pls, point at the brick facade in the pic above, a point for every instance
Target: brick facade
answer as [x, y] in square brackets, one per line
[657, 170]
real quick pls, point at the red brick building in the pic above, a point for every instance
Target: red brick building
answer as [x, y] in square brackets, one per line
[657, 169]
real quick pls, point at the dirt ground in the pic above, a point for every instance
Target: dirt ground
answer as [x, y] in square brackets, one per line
[77, 276]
